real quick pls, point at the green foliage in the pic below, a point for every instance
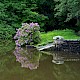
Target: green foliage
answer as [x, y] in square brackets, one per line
[50, 14]
[6, 31]
[70, 9]
[13, 13]
[46, 7]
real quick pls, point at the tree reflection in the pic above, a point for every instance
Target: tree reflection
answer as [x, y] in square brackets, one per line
[28, 57]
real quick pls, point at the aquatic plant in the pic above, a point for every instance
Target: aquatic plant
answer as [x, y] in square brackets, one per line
[28, 34]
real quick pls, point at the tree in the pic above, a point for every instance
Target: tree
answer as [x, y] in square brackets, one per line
[68, 8]
[46, 7]
[14, 13]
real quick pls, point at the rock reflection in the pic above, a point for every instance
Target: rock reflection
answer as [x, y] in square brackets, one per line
[28, 57]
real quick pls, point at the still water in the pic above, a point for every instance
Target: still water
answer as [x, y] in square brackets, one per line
[30, 64]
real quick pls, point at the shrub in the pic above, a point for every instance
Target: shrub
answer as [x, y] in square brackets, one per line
[28, 34]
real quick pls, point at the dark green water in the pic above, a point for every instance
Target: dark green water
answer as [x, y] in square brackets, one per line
[30, 64]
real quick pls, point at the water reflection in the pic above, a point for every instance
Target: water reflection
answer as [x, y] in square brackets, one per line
[60, 56]
[11, 70]
[28, 57]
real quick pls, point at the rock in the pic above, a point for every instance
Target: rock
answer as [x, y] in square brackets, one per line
[58, 39]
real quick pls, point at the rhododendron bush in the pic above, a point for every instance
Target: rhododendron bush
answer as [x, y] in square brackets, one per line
[28, 34]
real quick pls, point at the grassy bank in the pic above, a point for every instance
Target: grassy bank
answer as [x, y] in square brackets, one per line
[48, 37]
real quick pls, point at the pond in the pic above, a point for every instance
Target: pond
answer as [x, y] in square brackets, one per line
[30, 64]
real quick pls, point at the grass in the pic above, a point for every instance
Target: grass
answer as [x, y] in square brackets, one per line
[48, 37]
